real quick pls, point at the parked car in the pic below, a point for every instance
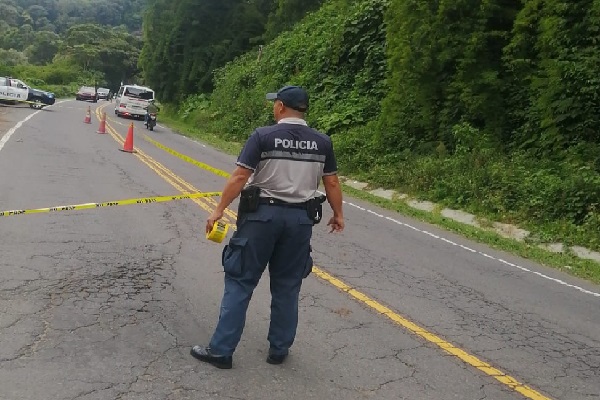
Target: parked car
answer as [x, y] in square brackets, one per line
[103, 93]
[86, 93]
[15, 90]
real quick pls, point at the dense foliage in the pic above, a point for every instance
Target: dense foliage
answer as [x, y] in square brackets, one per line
[490, 106]
[91, 39]
[509, 90]
[463, 61]
[185, 41]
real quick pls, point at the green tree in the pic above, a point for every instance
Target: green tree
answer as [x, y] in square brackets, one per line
[12, 57]
[44, 48]
[111, 51]
[555, 88]
[10, 12]
[445, 63]
[185, 41]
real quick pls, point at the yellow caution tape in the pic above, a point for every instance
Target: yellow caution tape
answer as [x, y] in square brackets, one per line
[145, 200]
[188, 159]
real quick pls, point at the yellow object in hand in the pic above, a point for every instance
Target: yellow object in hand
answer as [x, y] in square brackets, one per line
[218, 232]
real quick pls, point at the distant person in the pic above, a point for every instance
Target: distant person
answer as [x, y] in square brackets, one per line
[151, 109]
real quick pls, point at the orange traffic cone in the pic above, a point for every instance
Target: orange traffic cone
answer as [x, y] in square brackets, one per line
[128, 145]
[88, 116]
[102, 127]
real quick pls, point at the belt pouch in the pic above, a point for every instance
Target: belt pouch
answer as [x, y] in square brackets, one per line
[314, 209]
[249, 199]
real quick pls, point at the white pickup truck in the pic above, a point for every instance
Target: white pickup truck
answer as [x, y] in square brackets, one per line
[14, 90]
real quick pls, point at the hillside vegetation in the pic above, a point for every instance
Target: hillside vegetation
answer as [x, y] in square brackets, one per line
[491, 106]
[60, 44]
[185, 41]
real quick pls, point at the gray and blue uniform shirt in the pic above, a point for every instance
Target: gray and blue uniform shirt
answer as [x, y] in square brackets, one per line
[288, 159]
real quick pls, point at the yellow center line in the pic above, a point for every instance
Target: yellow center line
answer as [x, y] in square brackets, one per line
[173, 179]
[432, 338]
[387, 312]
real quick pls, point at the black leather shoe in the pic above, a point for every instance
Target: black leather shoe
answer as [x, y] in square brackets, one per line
[276, 359]
[203, 354]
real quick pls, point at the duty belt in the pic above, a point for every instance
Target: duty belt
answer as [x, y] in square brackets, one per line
[276, 202]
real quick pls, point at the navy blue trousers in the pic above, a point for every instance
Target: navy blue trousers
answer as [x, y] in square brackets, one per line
[280, 237]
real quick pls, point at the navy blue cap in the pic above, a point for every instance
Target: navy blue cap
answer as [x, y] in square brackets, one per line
[291, 96]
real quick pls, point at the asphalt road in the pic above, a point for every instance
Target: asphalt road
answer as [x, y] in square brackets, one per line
[105, 303]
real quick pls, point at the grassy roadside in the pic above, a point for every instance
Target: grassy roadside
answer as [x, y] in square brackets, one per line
[214, 140]
[566, 262]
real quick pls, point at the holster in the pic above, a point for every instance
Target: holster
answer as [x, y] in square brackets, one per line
[314, 208]
[249, 200]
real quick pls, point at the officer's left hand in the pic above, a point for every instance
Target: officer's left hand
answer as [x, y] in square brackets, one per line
[214, 217]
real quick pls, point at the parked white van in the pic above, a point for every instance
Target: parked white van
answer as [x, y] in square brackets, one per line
[132, 101]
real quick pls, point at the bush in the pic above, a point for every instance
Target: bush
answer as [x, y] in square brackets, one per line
[58, 73]
[61, 90]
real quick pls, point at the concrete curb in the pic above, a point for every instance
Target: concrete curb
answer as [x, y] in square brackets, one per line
[505, 230]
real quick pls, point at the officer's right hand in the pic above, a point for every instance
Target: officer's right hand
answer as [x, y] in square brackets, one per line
[336, 224]
[214, 217]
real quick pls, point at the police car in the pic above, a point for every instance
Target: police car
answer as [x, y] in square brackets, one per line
[14, 90]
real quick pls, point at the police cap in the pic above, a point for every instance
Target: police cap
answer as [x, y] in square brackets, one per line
[293, 97]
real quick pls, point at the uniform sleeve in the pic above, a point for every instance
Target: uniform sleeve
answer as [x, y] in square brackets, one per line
[250, 154]
[330, 167]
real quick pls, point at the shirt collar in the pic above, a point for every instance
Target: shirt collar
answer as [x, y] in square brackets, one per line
[292, 120]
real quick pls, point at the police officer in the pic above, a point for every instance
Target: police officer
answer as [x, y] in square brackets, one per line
[282, 165]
